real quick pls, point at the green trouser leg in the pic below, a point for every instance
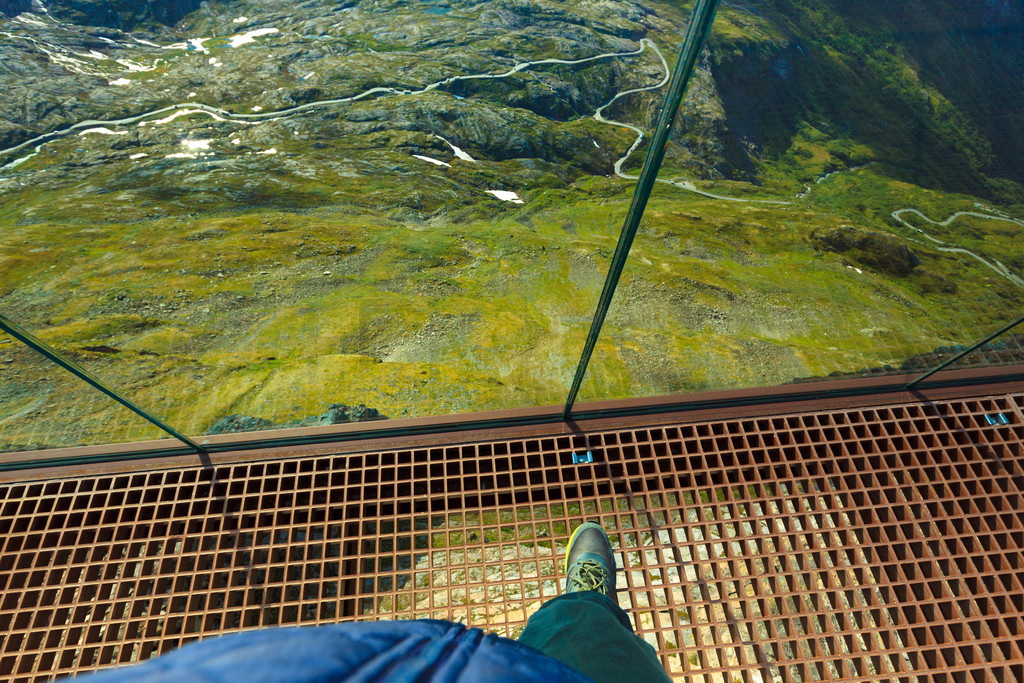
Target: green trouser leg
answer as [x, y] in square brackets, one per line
[592, 634]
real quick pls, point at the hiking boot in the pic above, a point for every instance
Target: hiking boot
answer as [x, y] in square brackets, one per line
[590, 562]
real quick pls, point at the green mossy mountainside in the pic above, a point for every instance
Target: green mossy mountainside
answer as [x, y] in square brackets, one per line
[970, 54]
[926, 88]
[264, 210]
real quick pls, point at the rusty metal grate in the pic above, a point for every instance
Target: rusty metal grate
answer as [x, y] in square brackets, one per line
[867, 544]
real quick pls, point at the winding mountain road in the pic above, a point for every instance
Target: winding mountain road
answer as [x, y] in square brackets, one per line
[228, 116]
[219, 114]
[683, 184]
[994, 264]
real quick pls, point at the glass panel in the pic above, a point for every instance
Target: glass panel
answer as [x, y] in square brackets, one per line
[270, 212]
[833, 203]
[43, 407]
[251, 217]
[1007, 349]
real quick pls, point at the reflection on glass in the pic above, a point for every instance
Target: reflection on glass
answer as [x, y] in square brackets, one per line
[43, 407]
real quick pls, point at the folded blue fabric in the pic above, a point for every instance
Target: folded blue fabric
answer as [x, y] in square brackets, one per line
[394, 651]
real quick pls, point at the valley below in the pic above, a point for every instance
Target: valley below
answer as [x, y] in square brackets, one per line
[270, 209]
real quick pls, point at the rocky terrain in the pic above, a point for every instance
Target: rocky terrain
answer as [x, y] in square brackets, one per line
[337, 413]
[261, 209]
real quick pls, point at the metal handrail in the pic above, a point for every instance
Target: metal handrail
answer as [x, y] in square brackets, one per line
[696, 34]
[57, 357]
[969, 349]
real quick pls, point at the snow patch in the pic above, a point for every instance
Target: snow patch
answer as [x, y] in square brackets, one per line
[268, 151]
[506, 196]
[250, 36]
[104, 131]
[26, 18]
[234, 41]
[433, 161]
[190, 44]
[134, 66]
[119, 81]
[240, 20]
[59, 56]
[196, 144]
[21, 160]
[458, 152]
[257, 108]
[138, 156]
[181, 155]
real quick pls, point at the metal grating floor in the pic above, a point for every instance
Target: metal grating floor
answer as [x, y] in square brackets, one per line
[867, 544]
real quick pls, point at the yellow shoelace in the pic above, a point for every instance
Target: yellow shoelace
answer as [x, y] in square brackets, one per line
[588, 575]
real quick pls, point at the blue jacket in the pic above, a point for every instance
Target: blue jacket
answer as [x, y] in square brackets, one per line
[394, 651]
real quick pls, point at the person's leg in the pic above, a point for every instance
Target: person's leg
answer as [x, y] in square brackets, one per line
[585, 628]
[590, 633]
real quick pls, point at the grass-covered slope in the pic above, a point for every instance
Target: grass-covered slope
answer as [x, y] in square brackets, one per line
[271, 267]
[277, 314]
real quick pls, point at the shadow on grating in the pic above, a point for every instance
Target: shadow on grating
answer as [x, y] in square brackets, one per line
[872, 544]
